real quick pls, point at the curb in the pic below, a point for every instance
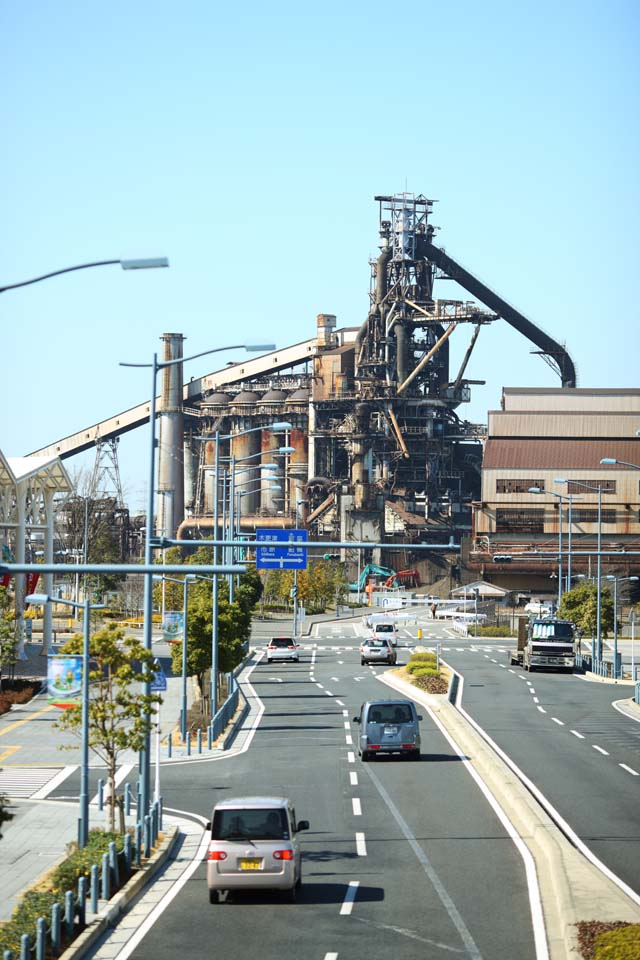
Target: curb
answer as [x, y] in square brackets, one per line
[571, 888]
[114, 908]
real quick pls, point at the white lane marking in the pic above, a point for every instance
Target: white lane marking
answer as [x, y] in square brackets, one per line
[511, 671]
[345, 713]
[357, 806]
[335, 678]
[502, 666]
[630, 770]
[426, 864]
[331, 956]
[353, 776]
[346, 725]
[319, 685]
[358, 679]
[542, 709]
[328, 693]
[492, 660]
[340, 703]
[528, 682]
[340, 662]
[559, 722]
[536, 700]
[576, 734]
[531, 690]
[351, 757]
[49, 787]
[361, 846]
[600, 750]
[347, 904]
[349, 740]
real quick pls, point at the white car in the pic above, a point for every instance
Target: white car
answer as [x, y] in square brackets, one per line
[283, 648]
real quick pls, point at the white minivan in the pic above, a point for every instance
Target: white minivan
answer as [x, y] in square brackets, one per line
[385, 630]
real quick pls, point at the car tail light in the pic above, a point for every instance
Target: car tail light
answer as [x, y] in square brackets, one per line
[283, 854]
[217, 855]
[374, 746]
[408, 746]
[292, 646]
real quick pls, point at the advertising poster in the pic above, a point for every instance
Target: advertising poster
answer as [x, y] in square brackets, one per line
[172, 627]
[64, 680]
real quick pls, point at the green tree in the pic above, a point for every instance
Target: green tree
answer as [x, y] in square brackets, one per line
[118, 709]
[8, 640]
[581, 606]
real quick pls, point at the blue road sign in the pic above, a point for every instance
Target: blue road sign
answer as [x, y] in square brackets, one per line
[281, 550]
[159, 682]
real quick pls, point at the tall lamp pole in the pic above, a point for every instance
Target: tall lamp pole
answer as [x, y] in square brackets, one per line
[616, 581]
[155, 365]
[598, 489]
[42, 598]
[560, 497]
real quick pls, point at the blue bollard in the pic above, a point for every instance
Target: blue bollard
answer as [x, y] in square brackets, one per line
[100, 794]
[55, 927]
[94, 886]
[113, 864]
[25, 946]
[199, 741]
[147, 836]
[7, 955]
[209, 737]
[69, 912]
[127, 853]
[82, 901]
[138, 843]
[106, 879]
[189, 743]
[161, 813]
[127, 799]
[41, 938]
[169, 745]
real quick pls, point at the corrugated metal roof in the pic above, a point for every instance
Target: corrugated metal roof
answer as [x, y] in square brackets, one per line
[549, 454]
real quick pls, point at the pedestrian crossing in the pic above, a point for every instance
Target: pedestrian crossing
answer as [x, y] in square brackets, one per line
[32, 783]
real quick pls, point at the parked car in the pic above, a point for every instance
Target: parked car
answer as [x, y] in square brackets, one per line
[377, 650]
[388, 726]
[254, 846]
[283, 648]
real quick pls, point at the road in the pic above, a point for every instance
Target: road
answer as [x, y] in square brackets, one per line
[402, 859]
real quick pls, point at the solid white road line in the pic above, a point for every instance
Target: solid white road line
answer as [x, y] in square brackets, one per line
[600, 750]
[629, 769]
[361, 846]
[357, 806]
[353, 776]
[347, 905]
[576, 734]
[49, 787]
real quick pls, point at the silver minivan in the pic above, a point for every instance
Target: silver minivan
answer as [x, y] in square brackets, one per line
[388, 726]
[254, 846]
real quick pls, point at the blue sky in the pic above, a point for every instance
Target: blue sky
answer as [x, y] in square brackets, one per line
[247, 143]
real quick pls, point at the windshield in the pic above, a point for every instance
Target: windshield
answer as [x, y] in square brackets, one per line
[552, 630]
[390, 713]
[384, 628]
[250, 824]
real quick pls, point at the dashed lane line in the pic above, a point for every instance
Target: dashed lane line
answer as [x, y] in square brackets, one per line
[357, 806]
[361, 846]
[542, 709]
[630, 770]
[350, 896]
[559, 722]
[604, 753]
[353, 778]
[580, 736]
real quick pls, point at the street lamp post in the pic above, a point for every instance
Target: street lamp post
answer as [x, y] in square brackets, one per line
[569, 498]
[42, 598]
[616, 581]
[588, 486]
[145, 264]
[156, 366]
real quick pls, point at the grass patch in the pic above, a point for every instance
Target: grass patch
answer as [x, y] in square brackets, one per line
[608, 941]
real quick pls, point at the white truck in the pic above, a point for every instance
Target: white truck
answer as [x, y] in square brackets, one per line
[545, 643]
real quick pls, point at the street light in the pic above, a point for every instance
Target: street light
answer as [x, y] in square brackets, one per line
[148, 264]
[155, 366]
[42, 599]
[622, 463]
[588, 486]
[561, 497]
[186, 580]
[213, 685]
[616, 581]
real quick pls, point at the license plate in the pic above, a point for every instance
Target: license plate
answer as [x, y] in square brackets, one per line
[390, 731]
[250, 864]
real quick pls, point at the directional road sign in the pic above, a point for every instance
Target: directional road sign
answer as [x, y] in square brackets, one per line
[281, 550]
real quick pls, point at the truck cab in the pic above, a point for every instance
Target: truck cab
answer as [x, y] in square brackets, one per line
[546, 643]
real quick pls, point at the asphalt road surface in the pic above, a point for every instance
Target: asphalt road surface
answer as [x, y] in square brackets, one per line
[402, 860]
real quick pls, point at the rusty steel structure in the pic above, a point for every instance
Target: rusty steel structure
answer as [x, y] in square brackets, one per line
[380, 450]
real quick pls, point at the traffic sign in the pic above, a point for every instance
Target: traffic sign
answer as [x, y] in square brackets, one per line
[159, 682]
[281, 550]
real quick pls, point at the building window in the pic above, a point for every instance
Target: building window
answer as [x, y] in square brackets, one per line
[519, 521]
[607, 486]
[517, 486]
[589, 515]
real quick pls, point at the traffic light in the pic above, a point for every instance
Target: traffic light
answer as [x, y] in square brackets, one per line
[332, 556]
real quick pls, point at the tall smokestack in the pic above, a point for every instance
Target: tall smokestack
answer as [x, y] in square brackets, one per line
[170, 502]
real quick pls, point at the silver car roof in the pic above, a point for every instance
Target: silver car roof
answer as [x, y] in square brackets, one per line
[234, 803]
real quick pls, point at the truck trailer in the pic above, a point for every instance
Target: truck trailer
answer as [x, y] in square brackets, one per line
[545, 643]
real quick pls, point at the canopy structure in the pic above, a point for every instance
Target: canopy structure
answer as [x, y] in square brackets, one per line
[28, 486]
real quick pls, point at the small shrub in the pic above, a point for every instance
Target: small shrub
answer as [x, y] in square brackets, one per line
[620, 944]
[420, 657]
[491, 631]
[414, 665]
[593, 945]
